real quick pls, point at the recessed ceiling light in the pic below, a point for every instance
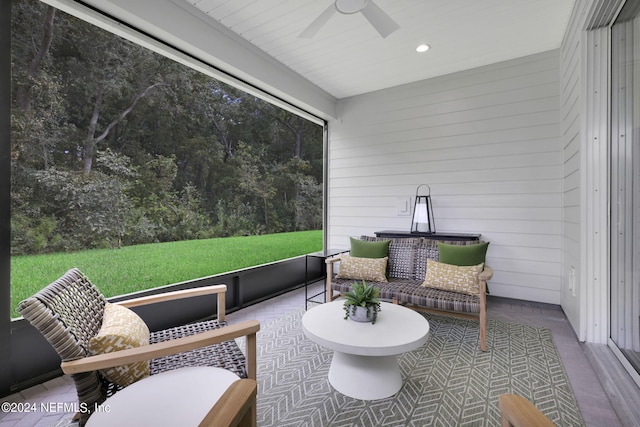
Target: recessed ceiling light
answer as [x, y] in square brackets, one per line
[423, 48]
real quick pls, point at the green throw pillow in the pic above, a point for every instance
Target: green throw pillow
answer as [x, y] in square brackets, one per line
[463, 255]
[363, 249]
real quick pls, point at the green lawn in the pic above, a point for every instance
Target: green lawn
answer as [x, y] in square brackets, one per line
[134, 268]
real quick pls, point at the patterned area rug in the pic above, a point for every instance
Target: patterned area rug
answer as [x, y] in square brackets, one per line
[447, 382]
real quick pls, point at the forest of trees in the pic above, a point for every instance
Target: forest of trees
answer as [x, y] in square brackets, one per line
[115, 145]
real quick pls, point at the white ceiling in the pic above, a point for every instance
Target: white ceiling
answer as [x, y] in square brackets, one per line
[348, 57]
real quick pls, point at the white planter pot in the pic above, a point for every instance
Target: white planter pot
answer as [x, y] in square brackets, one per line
[360, 314]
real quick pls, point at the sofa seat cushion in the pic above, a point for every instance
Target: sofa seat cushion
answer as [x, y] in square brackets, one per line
[412, 292]
[233, 359]
[388, 290]
[444, 300]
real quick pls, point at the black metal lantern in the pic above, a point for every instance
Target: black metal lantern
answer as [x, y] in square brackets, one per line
[423, 221]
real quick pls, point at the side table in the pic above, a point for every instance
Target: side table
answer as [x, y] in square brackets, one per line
[322, 256]
[396, 234]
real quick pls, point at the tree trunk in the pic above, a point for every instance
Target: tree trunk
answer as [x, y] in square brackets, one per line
[90, 146]
[24, 92]
[296, 129]
[298, 133]
[92, 140]
[226, 142]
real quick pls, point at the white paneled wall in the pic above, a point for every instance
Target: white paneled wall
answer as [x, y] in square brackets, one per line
[572, 106]
[488, 143]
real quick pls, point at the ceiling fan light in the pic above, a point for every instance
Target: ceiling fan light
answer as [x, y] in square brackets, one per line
[423, 48]
[348, 7]
[382, 22]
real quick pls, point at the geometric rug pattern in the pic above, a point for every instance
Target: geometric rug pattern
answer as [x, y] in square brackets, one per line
[446, 382]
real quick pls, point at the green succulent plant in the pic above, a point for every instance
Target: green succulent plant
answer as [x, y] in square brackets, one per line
[362, 295]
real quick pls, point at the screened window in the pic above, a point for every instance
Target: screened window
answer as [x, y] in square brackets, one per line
[125, 162]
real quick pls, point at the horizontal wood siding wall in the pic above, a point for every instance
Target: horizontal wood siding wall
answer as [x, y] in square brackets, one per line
[572, 105]
[488, 143]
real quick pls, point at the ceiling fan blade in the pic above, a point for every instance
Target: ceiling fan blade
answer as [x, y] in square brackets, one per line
[380, 20]
[318, 23]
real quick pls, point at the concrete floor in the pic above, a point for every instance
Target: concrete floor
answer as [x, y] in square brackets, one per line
[597, 394]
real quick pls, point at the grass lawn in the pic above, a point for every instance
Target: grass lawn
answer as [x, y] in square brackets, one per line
[134, 268]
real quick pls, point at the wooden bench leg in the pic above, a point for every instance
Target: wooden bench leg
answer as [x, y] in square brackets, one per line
[329, 291]
[483, 315]
[483, 331]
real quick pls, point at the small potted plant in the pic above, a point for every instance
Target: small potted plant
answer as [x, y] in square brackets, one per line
[362, 303]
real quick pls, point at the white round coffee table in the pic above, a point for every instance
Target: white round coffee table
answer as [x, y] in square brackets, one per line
[364, 364]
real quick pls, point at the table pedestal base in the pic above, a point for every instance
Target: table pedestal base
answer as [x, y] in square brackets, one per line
[365, 377]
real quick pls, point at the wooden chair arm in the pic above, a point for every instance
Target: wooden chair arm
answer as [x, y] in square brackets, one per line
[519, 412]
[333, 259]
[247, 328]
[329, 262]
[487, 273]
[236, 407]
[186, 293]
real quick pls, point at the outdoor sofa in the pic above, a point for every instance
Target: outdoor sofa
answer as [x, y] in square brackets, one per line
[445, 277]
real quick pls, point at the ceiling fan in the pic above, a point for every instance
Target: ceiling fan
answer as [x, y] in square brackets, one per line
[376, 16]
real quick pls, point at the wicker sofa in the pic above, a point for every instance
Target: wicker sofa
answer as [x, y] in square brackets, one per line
[405, 274]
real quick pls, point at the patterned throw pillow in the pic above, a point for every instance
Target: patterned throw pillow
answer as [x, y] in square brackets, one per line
[425, 249]
[363, 268]
[401, 261]
[461, 279]
[121, 329]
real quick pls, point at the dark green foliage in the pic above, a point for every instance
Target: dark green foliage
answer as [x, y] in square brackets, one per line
[114, 145]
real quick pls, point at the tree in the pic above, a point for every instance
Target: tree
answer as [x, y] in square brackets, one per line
[93, 136]
[24, 91]
[113, 144]
[33, 87]
[105, 80]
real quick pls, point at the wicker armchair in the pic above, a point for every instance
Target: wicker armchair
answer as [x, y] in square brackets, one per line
[69, 311]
